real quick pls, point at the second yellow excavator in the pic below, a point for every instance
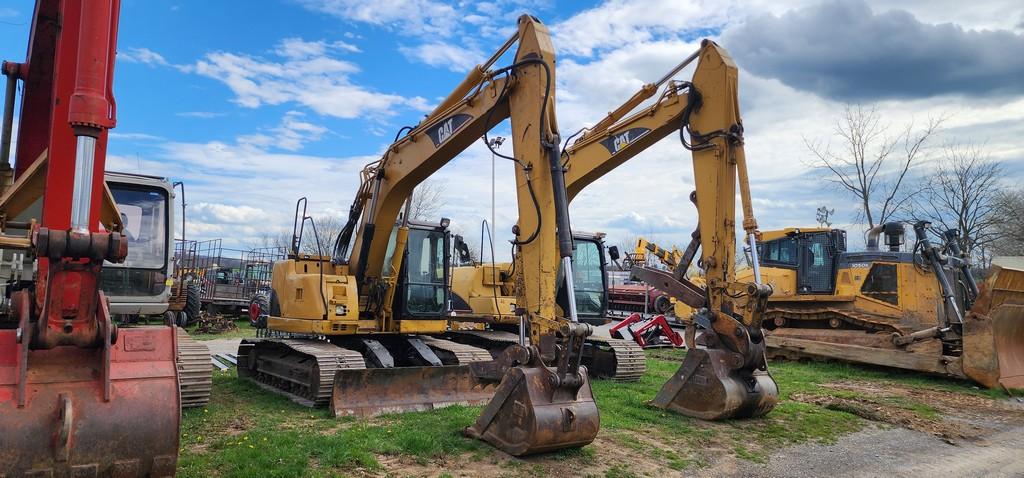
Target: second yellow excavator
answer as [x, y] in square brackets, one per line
[728, 377]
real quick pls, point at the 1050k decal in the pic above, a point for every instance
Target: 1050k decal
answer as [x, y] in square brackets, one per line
[444, 130]
[620, 140]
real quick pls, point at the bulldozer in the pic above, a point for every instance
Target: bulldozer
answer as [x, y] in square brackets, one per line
[363, 327]
[919, 310]
[727, 377]
[79, 395]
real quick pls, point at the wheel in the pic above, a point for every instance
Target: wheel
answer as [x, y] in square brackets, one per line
[662, 304]
[182, 319]
[193, 302]
[169, 318]
[259, 309]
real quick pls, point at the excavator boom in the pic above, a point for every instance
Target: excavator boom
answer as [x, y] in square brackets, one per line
[78, 396]
[727, 378]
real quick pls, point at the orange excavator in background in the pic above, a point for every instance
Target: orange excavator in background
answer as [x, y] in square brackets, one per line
[78, 395]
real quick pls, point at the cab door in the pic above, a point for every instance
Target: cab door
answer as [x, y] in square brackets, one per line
[816, 273]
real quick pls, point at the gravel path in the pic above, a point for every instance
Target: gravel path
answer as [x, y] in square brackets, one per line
[901, 452]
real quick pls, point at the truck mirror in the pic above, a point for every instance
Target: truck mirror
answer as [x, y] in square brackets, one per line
[613, 253]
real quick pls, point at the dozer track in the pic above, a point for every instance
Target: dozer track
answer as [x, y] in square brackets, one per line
[301, 369]
[605, 358]
[195, 371]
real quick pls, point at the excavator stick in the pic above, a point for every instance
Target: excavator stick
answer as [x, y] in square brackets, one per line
[64, 413]
[377, 391]
[993, 336]
[706, 387]
[533, 413]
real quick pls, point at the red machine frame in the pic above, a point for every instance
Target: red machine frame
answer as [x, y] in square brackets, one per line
[78, 396]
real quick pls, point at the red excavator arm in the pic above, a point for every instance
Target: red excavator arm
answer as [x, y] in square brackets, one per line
[76, 395]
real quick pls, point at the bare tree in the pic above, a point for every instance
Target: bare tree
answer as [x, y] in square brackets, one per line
[871, 164]
[427, 200]
[1009, 215]
[963, 193]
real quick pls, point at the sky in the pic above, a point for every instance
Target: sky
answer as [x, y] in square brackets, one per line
[254, 104]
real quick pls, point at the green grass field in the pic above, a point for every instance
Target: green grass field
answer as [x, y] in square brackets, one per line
[248, 432]
[243, 330]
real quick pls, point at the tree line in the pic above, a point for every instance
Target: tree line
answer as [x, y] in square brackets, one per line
[897, 173]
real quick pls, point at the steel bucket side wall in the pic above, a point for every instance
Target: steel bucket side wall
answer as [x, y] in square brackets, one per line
[135, 433]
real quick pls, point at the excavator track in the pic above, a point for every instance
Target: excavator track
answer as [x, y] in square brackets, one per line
[629, 359]
[463, 353]
[195, 371]
[301, 369]
[615, 359]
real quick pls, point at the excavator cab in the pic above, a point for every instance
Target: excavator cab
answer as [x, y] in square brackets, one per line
[588, 267]
[423, 288]
[139, 285]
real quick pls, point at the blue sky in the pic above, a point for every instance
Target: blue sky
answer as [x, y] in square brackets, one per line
[253, 104]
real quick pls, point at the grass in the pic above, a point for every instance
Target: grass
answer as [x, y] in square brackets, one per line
[248, 432]
[243, 330]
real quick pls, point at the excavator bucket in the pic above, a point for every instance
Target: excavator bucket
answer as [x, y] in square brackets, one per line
[706, 387]
[531, 413]
[63, 412]
[993, 349]
[375, 391]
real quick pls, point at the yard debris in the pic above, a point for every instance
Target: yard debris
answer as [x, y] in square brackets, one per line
[214, 324]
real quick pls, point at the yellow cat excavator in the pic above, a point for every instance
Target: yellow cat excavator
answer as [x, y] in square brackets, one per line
[729, 377]
[362, 330]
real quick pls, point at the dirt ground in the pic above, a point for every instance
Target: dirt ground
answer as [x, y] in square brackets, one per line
[956, 435]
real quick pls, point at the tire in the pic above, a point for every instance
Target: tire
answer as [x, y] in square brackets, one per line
[182, 319]
[662, 304]
[259, 309]
[193, 302]
[169, 318]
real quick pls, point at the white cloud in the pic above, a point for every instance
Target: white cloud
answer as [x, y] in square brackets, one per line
[417, 17]
[200, 114]
[625, 23]
[457, 58]
[308, 76]
[133, 136]
[299, 49]
[290, 135]
[144, 56]
[225, 214]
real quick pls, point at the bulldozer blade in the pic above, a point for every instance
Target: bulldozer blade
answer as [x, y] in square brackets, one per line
[79, 417]
[993, 347]
[377, 391]
[705, 387]
[531, 414]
